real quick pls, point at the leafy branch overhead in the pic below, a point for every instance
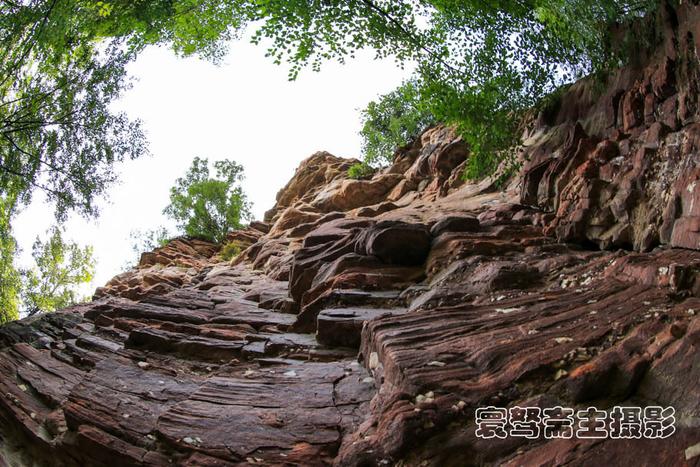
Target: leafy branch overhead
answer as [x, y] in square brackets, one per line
[392, 122]
[480, 65]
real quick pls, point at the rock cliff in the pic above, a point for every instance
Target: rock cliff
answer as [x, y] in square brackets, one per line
[367, 320]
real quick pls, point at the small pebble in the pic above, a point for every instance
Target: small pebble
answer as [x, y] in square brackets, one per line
[505, 311]
[373, 360]
[562, 340]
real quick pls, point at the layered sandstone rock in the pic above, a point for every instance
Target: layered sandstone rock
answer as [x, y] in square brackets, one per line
[367, 320]
[621, 168]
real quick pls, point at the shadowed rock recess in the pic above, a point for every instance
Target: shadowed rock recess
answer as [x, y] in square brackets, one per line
[367, 320]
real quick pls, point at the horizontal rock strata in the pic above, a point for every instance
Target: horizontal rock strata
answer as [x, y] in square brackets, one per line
[367, 320]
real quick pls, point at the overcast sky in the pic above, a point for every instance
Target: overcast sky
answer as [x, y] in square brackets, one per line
[244, 109]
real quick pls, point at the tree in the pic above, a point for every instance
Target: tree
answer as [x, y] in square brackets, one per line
[57, 132]
[206, 207]
[60, 267]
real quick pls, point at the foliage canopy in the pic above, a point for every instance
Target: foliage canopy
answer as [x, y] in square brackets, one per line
[10, 281]
[481, 64]
[62, 63]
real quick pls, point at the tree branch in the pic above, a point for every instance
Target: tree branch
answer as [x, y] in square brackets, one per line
[416, 41]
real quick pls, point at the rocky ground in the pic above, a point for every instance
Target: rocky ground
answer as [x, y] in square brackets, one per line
[367, 320]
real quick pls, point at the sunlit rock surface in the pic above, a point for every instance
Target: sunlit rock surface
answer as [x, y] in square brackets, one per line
[367, 319]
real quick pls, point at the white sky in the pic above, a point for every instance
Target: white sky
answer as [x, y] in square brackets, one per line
[244, 109]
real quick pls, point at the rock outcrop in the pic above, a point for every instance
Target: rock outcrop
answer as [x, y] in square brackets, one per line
[368, 320]
[621, 168]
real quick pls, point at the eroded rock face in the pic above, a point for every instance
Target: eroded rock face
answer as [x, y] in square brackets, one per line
[622, 170]
[367, 320]
[162, 270]
[312, 176]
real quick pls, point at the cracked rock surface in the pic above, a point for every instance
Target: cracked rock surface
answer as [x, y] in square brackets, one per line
[367, 320]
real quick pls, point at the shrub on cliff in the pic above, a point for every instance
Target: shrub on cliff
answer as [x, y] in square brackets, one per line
[231, 249]
[360, 171]
[209, 207]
